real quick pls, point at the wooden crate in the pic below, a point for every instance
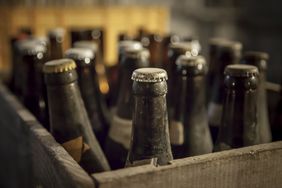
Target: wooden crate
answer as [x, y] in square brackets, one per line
[114, 19]
[29, 156]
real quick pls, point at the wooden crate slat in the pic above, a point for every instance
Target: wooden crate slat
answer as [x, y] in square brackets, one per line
[30, 154]
[255, 166]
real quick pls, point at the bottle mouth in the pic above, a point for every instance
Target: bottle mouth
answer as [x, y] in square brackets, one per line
[59, 66]
[241, 70]
[84, 54]
[191, 65]
[87, 44]
[149, 75]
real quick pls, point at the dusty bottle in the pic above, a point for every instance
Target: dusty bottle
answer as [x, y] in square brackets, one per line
[33, 55]
[229, 52]
[239, 119]
[259, 59]
[88, 84]
[99, 66]
[69, 122]
[150, 132]
[56, 39]
[189, 130]
[175, 50]
[116, 80]
[118, 141]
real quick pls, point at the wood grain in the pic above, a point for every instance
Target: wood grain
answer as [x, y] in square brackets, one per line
[114, 19]
[30, 157]
[255, 166]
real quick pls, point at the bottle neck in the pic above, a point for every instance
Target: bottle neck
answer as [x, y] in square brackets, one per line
[56, 48]
[124, 104]
[218, 88]
[150, 124]
[32, 81]
[239, 119]
[191, 98]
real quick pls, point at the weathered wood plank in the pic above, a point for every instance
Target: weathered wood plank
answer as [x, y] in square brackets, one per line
[255, 166]
[29, 155]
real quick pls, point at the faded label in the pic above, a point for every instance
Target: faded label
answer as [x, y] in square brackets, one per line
[176, 133]
[74, 147]
[120, 131]
[215, 113]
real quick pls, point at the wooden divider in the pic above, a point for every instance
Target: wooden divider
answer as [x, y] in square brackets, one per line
[114, 19]
[257, 166]
[29, 155]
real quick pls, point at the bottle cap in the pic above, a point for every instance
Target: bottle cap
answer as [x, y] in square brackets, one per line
[129, 44]
[225, 43]
[149, 75]
[59, 66]
[191, 49]
[84, 54]
[191, 65]
[56, 32]
[239, 70]
[86, 44]
[31, 47]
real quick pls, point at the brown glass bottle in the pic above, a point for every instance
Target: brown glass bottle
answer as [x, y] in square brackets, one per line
[150, 133]
[167, 41]
[239, 119]
[259, 59]
[99, 66]
[33, 55]
[175, 50]
[122, 47]
[118, 141]
[68, 117]
[56, 38]
[229, 52]
[155, 49]
[189, 130]
[88, 84]
[214, 50]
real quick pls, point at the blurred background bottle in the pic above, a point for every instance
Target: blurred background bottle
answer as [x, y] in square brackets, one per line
[56, 37]
[88, 84]
[33, 55]
[118, 141]
[260, 59]
[189, 130]
[239, 125]
[229, 52]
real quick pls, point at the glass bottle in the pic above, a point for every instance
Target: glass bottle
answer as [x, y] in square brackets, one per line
[99, 66]
[155, 49]
[239, 126]
[33, 55]
[122, 47]
[189, 130]
[69, 122]
[168, 40]
[259, 59]
[175, 50]
[150, 132]
[118, 141]
[88, 84]
[229, 52]
[56, 38]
